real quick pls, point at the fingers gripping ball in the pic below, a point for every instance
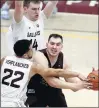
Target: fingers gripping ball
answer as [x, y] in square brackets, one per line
[94, 79]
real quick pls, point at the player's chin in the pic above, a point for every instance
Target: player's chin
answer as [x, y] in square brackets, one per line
[36, 17]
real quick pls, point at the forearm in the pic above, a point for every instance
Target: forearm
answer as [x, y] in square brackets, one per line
[18, 3]
[60, 73]
[53, 72]
[49, 8]
[73, 80]
[68, 74]
[18, 13]
[57, 83]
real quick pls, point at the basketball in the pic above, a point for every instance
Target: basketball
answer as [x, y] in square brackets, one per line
[94, 79]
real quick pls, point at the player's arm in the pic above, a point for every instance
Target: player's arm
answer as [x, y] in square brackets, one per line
[40, 58]
[18, 12]
[57, 83]
[49, 8]
[48, 73]
[41, 67]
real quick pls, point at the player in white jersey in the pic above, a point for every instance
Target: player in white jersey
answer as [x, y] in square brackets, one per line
[28, 22]
[17, 70]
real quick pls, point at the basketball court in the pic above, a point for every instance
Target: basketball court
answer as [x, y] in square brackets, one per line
[80, 35]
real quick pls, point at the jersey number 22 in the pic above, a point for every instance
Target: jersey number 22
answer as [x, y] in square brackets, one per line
[12, 84]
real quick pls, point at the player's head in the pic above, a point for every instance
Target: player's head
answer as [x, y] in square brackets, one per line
[23, 48]
[54, 44]
[32, 9]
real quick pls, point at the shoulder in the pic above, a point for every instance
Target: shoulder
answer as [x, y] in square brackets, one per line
[38, 53]
[40, 58]
[66, 63]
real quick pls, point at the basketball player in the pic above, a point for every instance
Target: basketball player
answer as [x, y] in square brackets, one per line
[28, 22]
[38, 87]
[18, 69]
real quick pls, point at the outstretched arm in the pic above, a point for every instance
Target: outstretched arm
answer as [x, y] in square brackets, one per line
[51, 72]
[18, 12]
[41, 67]
[58, 83]
[49, 75]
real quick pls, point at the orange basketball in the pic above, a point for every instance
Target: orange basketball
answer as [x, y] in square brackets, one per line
[94, 79]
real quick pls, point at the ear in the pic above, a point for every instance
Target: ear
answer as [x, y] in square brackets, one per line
[25, 56]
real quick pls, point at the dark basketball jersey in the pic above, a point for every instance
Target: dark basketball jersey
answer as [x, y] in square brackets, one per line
[42, 90]
[58, 64]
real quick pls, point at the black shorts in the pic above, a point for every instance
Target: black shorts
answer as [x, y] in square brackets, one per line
[51, 101]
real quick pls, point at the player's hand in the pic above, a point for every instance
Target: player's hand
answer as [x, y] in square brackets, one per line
[82, 85]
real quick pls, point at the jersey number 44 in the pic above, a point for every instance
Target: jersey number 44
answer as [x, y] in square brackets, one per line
[35, 44]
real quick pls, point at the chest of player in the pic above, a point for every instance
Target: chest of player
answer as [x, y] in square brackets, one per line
[34, 29]
[58, 64]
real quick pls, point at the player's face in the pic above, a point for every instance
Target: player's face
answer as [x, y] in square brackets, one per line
[54, 46]
[32, 11]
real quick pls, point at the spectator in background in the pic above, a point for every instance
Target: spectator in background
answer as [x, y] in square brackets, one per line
[5, 10]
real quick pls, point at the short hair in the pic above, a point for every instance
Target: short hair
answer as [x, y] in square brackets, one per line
[55, 36]
[22, 46]
[27, 2]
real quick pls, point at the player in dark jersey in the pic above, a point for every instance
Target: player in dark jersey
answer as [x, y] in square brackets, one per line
[38, 89]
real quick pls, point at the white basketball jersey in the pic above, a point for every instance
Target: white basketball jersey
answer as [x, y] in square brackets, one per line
[14, 77]
[27, 29]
